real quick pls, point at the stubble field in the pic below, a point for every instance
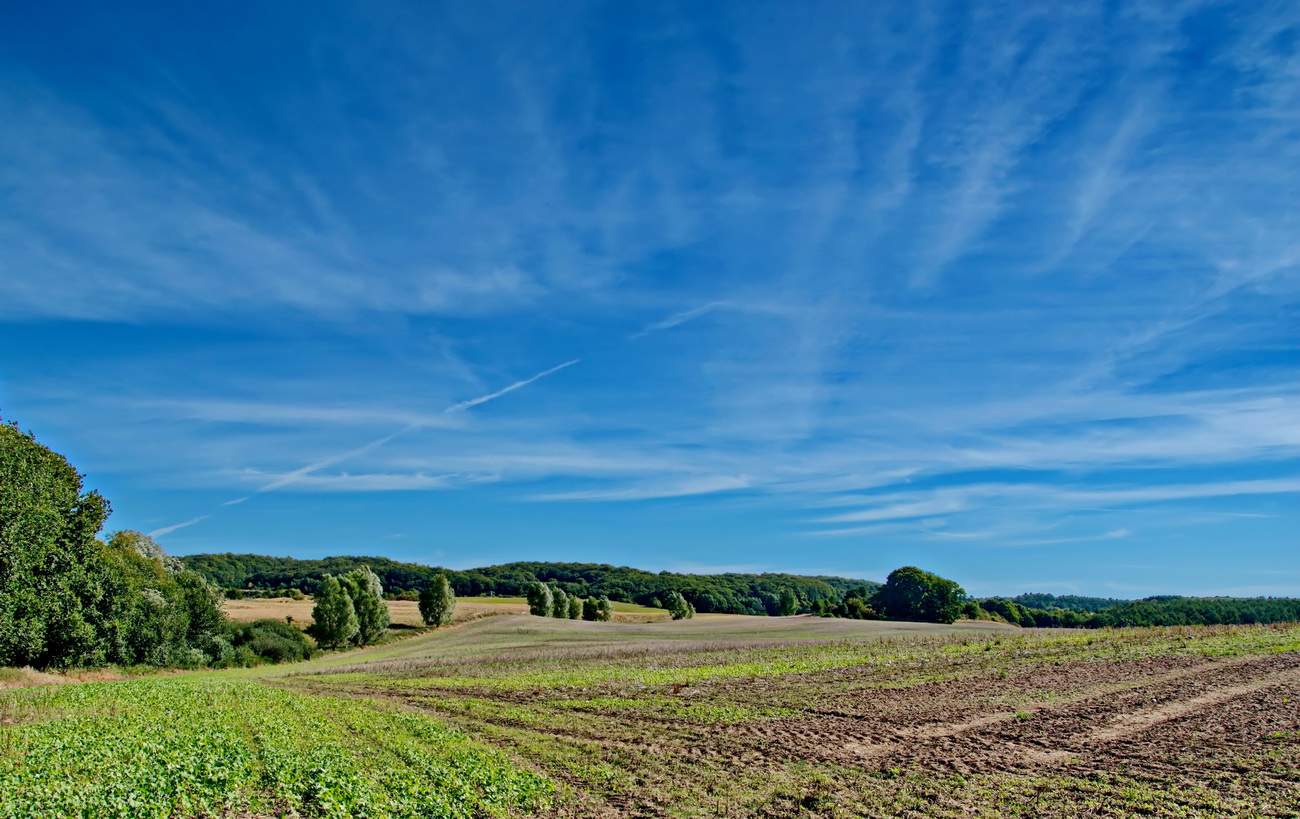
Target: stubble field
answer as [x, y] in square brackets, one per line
[722, 716]
[407, 612]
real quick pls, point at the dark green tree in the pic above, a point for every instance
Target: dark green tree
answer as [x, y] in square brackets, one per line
[575, 607]
[604, 609]
[367, 594]
[55, 595]
[539, 599]
[912, 594]
[437, 601]
[678, 606]
[590, 609]
[559, 603]
[335, 618]
[788, 603]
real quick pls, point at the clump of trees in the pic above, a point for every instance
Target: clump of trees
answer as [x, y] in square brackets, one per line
[69, 599]
[350, 610]
[731, 593]
[679, 607]
[541, 601]
[437, 602]
[601, 610]
[908, 594]
[912, 594]
[546, 600]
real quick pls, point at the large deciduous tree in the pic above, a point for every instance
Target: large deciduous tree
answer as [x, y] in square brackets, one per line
[55, 592]
[367, 594]
[70, 599]
[540, 602]
[678, 606]
[437, 601]
[335, 618]
[788, 603]
[559, 603]
[912, 594]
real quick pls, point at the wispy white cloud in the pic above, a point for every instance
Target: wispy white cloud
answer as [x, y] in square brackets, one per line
[167, 530]
[303, 473]
[980, 280]
[677, 319]
[376, 482]
[255, 412]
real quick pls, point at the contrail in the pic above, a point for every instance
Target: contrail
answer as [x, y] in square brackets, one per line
[679, 318]
[169, 529]
[299, 474]
[474, 402]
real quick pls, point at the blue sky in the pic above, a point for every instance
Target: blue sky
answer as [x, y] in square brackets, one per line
[1007, 291]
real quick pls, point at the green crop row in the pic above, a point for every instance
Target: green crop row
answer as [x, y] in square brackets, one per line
[198, 746]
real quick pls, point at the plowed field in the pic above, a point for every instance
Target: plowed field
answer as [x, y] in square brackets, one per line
[819, 721]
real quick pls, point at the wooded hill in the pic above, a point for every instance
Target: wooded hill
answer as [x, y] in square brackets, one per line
[723, 593]
[731, 593]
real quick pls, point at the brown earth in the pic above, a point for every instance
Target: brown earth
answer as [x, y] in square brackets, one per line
[1196, 722]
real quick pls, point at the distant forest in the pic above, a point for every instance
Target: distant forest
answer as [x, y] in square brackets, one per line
[708, 593]
[730, 593]
[1047, 611]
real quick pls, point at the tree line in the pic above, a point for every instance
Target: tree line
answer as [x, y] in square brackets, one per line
[70, 599]
[732, 593]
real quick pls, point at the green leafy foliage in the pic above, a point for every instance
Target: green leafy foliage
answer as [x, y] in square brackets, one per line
[240, 746]
[575, 607]
[1069, 602]
[678, 606]
[540, 601]
[56, 597]
[335, 619]
[437, 601]
[912, 594]
[1201, 611]
[69, 599]
[367, 594]
[559, 603]
[789, 603]
[724, 593]
[267, 640]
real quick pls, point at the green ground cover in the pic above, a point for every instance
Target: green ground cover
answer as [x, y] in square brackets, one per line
[196, 745]
[727, 716]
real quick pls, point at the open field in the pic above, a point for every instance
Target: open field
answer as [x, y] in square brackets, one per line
[407, 612]
[717, 716]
